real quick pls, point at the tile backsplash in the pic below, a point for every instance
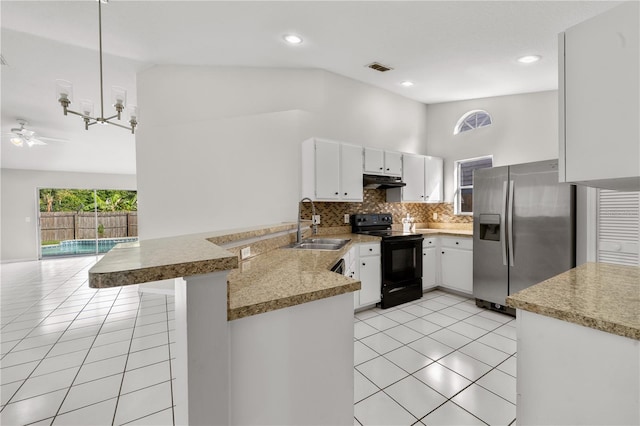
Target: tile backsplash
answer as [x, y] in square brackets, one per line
[332, 213]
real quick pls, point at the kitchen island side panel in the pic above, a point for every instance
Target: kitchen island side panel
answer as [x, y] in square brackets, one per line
[569, 374]
[294, 366]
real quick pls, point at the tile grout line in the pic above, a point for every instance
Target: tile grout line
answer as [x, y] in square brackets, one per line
[124, 370]
[436, 361]
[173, 414]
[84, 359]
[39, 362]
[48, 294]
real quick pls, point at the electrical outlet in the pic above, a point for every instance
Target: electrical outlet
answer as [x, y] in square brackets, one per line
[245, 252]
[346, 218]
[435, 216]
[316, 219]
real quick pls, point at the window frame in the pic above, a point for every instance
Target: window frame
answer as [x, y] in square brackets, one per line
[474, 112]
[457, 187]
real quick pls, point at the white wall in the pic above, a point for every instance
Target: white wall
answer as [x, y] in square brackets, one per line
[524, 129]
[19, 199]
[220, 147]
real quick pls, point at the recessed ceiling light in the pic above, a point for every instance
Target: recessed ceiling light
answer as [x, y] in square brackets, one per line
[407, 83]
[529, 59]
[292, 39]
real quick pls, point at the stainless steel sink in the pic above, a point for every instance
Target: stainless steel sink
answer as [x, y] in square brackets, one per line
[319, 244]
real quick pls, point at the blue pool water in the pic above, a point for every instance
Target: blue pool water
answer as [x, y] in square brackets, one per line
[75, 247]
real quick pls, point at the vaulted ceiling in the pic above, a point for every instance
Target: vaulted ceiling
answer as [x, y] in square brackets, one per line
[450, 50]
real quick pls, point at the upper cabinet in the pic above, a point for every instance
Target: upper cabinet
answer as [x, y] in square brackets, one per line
[380, 162]
[599, 100]
[433, 179]
[423, 176]
[331, 171]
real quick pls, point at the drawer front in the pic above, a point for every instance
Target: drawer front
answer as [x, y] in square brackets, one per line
[461, 243]
[370, 249]
[429, 242]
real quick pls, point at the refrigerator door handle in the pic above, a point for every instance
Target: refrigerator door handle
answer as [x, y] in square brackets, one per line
[503, 225]
[510, 225]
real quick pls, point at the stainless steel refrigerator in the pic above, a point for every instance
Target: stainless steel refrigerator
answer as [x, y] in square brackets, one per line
[523, 229]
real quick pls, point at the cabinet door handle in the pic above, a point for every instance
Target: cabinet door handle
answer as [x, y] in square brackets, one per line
[457, 242]
[424, 254]
[387, 169]
[370, 249]
[336, 193]
[364, 264]
[381, 168]
[442, 252]
[345, 193]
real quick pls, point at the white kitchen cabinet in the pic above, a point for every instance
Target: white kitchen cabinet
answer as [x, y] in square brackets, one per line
[433, 179]
[370, 274]
[413, 176]
[350, 172]
[380, 162]
[424, 180]
[456, 262]
[599, 100]
[429, 263]
[331, 171]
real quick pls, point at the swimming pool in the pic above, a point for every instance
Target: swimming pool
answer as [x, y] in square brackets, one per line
[76, 247]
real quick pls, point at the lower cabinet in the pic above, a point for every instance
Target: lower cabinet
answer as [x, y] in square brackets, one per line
[446, 262]
[369, 270]
[429, 263]
[456, 263]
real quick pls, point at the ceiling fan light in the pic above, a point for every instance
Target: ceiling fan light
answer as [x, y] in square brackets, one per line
[17, 141]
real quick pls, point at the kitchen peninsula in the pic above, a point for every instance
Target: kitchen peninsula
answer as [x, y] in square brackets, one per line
[579, 347]
[256, 333]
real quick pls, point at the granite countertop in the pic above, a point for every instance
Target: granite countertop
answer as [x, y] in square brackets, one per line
[276, 279]
[172, 257]
[287, 277]
[444, 232]
[597, 295]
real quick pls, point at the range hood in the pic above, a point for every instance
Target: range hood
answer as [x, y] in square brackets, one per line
[382, 182]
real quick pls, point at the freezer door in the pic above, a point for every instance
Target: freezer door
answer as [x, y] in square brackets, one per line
[490, 270]
[542, 215]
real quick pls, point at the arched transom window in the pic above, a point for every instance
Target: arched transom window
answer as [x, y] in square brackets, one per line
[472, 120]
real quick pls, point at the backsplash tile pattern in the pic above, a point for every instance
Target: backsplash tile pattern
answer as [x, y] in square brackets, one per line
[332, 213]
[445, 214]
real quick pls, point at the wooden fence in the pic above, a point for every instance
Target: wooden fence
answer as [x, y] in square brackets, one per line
[59, 226]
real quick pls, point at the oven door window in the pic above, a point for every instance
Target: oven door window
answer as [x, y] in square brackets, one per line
[402, 261]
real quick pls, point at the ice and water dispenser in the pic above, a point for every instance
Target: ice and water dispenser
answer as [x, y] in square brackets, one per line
[490, 227]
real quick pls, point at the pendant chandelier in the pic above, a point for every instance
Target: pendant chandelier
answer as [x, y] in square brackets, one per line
[64, 91]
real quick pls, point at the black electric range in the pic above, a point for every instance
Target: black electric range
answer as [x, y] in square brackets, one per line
[401, 259]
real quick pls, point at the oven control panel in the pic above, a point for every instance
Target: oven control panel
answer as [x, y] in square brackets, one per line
[371, 219]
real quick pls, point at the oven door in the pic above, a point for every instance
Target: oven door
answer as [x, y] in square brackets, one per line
[401, 261]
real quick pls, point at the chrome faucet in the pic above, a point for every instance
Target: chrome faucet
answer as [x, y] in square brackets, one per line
[314, 227]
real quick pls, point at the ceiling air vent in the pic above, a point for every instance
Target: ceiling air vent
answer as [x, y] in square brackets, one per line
[379, 67]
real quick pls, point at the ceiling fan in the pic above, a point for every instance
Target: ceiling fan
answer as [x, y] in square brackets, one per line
[21, 136]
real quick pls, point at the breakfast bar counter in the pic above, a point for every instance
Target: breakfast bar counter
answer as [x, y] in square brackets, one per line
[276, 279]
[247, 331]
